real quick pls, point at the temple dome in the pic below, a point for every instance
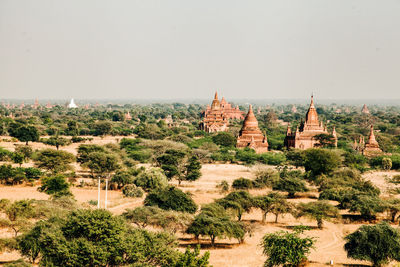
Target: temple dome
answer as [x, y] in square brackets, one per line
[250, 121]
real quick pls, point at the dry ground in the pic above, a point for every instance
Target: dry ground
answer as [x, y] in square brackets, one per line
[329, 244]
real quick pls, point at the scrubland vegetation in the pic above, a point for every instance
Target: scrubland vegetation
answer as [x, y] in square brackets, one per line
[156, 165]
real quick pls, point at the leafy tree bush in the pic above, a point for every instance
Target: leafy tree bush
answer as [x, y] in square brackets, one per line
[122, 178]
[25, 150]
[242, 183]
[151, 179]
[271, 158]
[17, 215]
[375, 243]
[193, 169]
[56, 186]
[239, 201]
[24, 133]
[265, 178]
[214, 222]
[224, 186]
[285, 248]
[318, 210]
[132, 190]
[102, 128]
[247, 155]
[386, 164]
[291, 185]
[224, 139]
[96, 238]
[4, 154]
[321, 161]
[84, 150]
[171, 198]
[54, 161]
[102, 164]
[267, 203]
[56, 141]
[171, 221]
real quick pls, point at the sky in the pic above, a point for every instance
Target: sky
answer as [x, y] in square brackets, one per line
[186, 49]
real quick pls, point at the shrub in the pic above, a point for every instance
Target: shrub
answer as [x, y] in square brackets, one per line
[171, 198]
[375, 243]
[265, 178]
[242, 183]
[287, 249]
[271, 158]
[153, 178]
[132, 190]
[224, 139]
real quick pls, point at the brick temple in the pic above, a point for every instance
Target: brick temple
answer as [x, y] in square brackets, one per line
[304, 136]
[250, 135]
[369, 148]
[216, 118]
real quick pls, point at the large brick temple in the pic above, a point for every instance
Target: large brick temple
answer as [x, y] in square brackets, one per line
[216, 118]
[250, 135]
[304, 136]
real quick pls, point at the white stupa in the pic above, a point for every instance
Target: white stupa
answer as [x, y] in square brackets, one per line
[72, 104]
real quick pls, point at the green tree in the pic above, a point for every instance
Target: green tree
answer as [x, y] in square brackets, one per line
[239, 201]
[191, 259]
[18, 158]
[214, 222]
[286, 249]
[290, 185]
[150, 179]
[317, 210]
[224, 139]
[171, 198]
[102, 164]
[17, 215]
[325, 140]
[192, 172]
[96, 238]
[25, 133]
[54, 161]
[267, 203]
[386, 163]
[375, 243]
[122, 178]
[56, 186]
[102, 128]
[56, 141]
[84, 151]
[321, 161]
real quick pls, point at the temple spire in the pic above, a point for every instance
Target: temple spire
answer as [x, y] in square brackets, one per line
[371, 139]
[216, 95]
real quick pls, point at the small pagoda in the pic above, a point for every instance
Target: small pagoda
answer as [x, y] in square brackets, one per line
[371, 146]
[365, 109]
[250, 135]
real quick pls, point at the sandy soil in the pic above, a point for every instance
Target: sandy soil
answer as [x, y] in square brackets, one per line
[329, 244]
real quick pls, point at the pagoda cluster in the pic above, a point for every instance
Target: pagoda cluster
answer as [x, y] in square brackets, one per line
[217, 116]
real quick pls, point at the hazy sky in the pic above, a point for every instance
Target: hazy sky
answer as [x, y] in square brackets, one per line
[188, 49]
